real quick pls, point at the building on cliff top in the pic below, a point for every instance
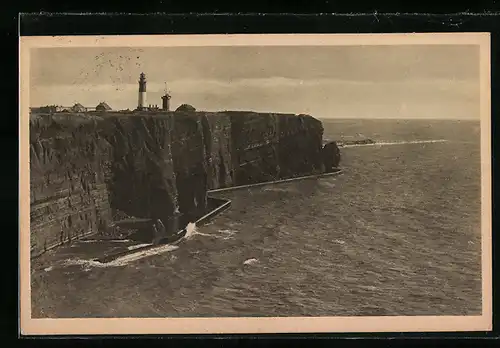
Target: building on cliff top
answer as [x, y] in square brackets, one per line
[166, 100]
[78, 108]
[141, 105]
[103, 106]
[185, 108]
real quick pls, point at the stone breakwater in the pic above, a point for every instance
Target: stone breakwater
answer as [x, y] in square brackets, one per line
[88, 170]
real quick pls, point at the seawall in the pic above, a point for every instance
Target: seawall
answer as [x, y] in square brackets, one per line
[89, 170]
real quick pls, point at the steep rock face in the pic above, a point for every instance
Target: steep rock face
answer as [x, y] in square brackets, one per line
[269, 147]
[143, 182]
[69, 167]
[86, 170]
[255, 140]
[217, 130]
[190, 158]
[300, 146]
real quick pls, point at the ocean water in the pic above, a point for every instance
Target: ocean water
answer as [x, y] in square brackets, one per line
[398, 233]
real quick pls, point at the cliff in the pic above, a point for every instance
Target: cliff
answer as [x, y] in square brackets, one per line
[269, 147]
[86, 170]
[69, 165]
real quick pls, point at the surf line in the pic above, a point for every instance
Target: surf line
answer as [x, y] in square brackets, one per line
[123, 258]
[275, 182]
[399, 143]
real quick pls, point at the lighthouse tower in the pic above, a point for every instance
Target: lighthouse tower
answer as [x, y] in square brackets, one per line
[166, 100]
[142, 92]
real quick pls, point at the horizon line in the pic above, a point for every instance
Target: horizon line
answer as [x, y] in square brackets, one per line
[399, 118]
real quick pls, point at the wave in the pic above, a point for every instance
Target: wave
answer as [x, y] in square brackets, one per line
[384, 143]
[192, 230]
[137, 246]
[104, 240]
[120, 261]
[250, 261]
[86, 264]
[124, 260]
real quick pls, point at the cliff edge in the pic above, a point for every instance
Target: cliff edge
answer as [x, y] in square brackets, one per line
[90, 169]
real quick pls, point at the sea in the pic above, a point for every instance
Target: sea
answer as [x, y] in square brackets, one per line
[397, 233]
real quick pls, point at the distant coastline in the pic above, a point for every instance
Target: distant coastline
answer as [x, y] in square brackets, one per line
[355, 142]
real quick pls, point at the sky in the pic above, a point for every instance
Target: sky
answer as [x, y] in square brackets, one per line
[421, 81]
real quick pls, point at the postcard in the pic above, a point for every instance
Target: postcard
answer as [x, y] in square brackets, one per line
[196, 184]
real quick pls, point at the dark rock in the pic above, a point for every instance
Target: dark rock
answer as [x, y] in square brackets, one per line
[69, 166]
[331, 156]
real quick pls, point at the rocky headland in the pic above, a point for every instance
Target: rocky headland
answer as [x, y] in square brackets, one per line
[88, 170]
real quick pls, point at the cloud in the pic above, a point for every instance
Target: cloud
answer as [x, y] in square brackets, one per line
[371, 63]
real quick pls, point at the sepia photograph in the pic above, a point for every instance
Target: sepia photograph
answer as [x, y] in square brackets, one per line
[255, 183]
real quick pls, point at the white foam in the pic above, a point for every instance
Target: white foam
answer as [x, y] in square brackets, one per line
[124, 260]
[227, 234]
[120, 261]
[137, 246]
[224, 237]
[230, 232]
[84, 263]
[191, 230]
[384, 143]
[104, 240]
[250, 261]
[203, 234]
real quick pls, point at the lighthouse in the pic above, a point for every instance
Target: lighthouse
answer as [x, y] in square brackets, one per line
[142, 92]
[166, 100]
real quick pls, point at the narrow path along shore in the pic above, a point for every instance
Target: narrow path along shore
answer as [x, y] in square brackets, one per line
[275, 182]
[384, 143]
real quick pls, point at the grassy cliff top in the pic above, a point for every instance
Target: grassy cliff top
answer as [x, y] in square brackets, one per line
[62, 124]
